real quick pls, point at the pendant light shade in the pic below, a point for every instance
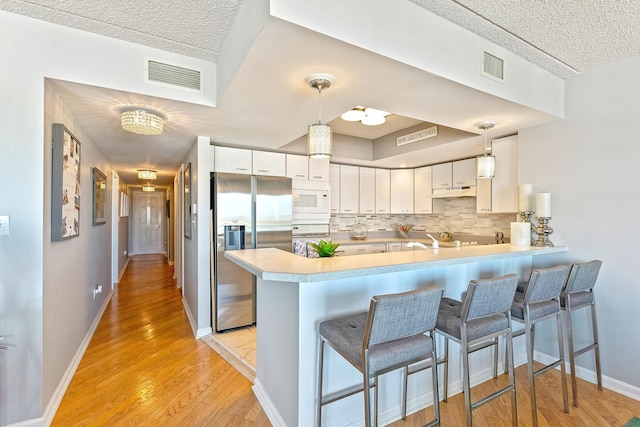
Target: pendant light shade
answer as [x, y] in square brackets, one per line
[319, 135]
[486, 164]
[148, 188]
[147, 174]
[319, 139]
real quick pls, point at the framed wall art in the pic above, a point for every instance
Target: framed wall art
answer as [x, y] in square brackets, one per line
[187, 201]
[99, 197]
[65, 184]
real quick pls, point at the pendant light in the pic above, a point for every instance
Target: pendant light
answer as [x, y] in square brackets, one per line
[486, 164]
[319, 135]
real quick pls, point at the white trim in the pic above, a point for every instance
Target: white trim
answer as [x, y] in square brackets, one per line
[58, 394]
[124, 268]
[199, 333]
[34, 422]
[269, 408]
[590, 376]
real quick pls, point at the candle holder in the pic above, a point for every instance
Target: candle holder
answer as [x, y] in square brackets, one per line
[543, 230]
[525, 216]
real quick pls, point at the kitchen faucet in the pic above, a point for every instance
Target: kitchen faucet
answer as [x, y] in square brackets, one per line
[436, 244]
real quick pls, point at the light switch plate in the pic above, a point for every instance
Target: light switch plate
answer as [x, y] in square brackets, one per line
[4, 225]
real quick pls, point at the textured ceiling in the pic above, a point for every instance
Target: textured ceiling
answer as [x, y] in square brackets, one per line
[195, 28]
[565, 37]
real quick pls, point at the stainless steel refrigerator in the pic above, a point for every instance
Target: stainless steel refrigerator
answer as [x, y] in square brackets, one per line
[246, 212]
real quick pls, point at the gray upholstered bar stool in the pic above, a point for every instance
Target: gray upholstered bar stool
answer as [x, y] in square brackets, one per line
[537, 300]
[476, 323]
[578, 293]
[396, 332]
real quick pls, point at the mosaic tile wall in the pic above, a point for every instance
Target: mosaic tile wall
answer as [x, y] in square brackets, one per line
[459, 217]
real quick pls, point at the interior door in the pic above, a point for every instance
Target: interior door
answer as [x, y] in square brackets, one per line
[147, 225]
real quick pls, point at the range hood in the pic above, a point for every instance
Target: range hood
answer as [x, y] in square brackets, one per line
[444, 193]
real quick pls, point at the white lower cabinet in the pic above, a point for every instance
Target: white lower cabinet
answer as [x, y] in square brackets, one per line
[407, 248]
[378, 248]
[354, 250]
[394, 247]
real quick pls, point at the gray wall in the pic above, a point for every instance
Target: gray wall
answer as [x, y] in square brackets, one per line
[74, 267]
[589, 164]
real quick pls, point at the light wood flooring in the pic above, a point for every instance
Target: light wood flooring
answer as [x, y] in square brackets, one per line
[143, 367]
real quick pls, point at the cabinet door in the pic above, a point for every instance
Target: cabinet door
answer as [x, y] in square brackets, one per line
[406, 248]
[367, 193]
[402, 191]
[442, 176]
[422, 190]
[319, 169]
[378, 248]
[383, 191]
[394, 247]
[347, 250]
[504, 191]
[297, 166]
[483, 195]
[268, 163]
[464, 173]
[334, 188]
[349, 183]
[232, 160]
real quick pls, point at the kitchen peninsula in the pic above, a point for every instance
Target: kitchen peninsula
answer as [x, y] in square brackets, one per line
[294, 294]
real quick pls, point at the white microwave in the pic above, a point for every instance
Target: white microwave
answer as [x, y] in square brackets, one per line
[311, 202]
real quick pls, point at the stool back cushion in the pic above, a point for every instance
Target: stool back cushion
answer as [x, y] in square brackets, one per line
[489, 296]
[396, 316]
[546, 284]
[582, 276]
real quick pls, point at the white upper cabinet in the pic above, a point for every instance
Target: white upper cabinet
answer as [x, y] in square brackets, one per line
[402, 191]
[349, 189]
[383, 191]
[442, 176]
[297, 166]
[367, 191]
[464, 173]
[232, 160]
[334, 185]
[319, 169]
[503, 197]
[268, 163]
[422, 190]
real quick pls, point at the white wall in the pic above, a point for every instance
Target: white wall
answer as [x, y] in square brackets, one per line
[589, 164]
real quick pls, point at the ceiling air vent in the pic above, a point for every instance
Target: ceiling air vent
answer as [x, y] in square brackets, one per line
[173, 75]
[493, 67]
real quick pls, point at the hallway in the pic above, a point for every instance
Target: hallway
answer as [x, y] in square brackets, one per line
[143, 366]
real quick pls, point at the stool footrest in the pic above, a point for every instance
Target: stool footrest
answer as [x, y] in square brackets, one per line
[335, 396]
[584, 350]
[548, 367]
[494, 395]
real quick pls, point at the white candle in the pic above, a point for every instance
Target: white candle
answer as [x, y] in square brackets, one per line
[525, 198]
[521, 233]
[543, 205]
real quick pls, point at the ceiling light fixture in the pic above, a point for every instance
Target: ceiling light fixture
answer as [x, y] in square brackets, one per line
[148, 187]
[367, 116]
[486, 164]
[147, 174]
[319, 135]
[141, 122]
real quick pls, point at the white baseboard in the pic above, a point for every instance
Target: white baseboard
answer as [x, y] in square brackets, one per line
[198, 333]
[58, 394]
[34, 422]
[269, 408]
[124, 267]
[590, 376]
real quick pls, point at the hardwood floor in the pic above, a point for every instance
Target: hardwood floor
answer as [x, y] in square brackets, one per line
[144, 368]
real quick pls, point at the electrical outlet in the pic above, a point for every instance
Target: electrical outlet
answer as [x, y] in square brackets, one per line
[124, 253]
[4, 225]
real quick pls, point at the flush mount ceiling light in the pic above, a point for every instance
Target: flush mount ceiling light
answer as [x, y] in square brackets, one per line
[319, 135]
[367, 116]
[147, 174]
[486, 164]
[141, 122]
[148, 187]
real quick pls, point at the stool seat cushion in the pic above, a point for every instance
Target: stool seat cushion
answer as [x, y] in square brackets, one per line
[345, 336]
[449, 321]
[537, 310]
[578, 299]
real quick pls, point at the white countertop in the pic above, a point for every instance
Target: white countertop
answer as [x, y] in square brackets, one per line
[275, 264]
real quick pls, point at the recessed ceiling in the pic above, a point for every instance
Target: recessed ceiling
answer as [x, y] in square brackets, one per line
[565, 38]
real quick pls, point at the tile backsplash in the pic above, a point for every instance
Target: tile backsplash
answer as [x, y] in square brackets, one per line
[458, 216]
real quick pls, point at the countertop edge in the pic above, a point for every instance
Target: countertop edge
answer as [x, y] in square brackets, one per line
[260, 263]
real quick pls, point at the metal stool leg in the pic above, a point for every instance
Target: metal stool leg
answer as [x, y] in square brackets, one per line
[596, 348]
[563, 372]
